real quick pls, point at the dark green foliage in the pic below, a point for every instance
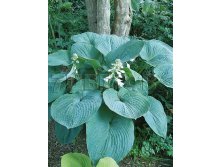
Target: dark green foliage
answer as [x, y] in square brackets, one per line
[154, 20]
[65, 18]
[148, 144]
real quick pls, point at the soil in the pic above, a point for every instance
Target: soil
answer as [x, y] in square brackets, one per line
[56, 150]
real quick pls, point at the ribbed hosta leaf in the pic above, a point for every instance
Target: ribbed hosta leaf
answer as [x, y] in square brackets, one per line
[85, 50]
[109, 135]
[107, 162]
[58, 58]
[55, 89]
[64, 135]
[75, 160]
[125, 52]
[164, 73]
[126, 103]
[156, 53]
[87, 37]
[156, 117]
[160, 56]
[72, 110]
[139, 86]
[106, 43]
[84, 84]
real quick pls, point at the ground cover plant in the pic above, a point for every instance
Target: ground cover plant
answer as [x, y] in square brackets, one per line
[94, 83]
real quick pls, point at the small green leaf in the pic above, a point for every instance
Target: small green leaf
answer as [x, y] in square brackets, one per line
[132, 74]
[156, 117]
[107, 162]
[75, 160]
[58, 58]
[126, 103]
[64, 135]
[109, 135]
[72, 110]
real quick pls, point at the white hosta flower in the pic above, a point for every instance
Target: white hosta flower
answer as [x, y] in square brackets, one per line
[128, 65]
[119, 74]
[74, 57]
[119, 82]
[132, 60]
[106, 79]
[118, 64]
[116, 72]
[109, 77]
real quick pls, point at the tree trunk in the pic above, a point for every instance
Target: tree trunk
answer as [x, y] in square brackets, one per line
[103, 16]
[91, 6]
[123, 17]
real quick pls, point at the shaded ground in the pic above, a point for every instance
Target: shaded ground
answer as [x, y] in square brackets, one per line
[56, 150]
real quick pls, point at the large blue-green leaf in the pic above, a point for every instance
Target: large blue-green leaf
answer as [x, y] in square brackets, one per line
[64, 135]
[164, 73]
[75, 160]
[139, 86]
[88, 53]
[125, 52]
[72, 110]
[107, 162]
[106, 43]
[84, 84]
[109, 135]
[160, 56]
[156, 117]
[87, 37]
[85, 50]
[55, 89]
[156, 53]
[58, 58]
[127, 103]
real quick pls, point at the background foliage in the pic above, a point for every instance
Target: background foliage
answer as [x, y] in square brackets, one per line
[152, 19]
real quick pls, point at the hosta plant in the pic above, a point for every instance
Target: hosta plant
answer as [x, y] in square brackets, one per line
[93, 84]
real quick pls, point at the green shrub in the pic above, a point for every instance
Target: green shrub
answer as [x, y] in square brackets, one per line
[153, 19]
[65, 18]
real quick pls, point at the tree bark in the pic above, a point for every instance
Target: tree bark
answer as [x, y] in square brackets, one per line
[123, 17]
[103, 16]
[91, 6]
